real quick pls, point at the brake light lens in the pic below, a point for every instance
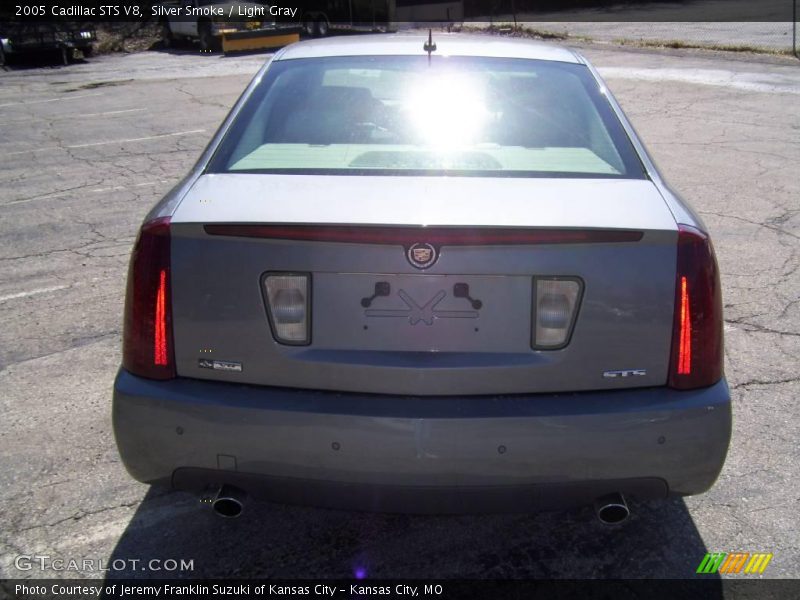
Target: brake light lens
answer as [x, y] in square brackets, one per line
[697, 339]
[147, 348]
[160, 338]
[685, 334]
[288, 306]
[554, 310]
[438, 236]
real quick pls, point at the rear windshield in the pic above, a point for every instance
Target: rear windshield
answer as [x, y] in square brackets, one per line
[397, 115]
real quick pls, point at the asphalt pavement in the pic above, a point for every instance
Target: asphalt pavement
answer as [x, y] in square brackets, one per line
[87, 149]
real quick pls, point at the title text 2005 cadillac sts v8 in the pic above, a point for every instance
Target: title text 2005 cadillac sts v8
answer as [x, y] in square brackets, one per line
[415, 278]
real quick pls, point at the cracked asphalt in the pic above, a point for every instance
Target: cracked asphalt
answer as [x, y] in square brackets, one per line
[87, 149]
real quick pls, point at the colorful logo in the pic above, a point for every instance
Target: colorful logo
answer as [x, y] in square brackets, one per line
[734, 562]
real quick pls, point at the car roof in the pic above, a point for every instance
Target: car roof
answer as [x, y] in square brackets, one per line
[447, 44]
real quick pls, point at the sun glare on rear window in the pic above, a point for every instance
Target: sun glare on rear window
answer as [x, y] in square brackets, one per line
[402, 115]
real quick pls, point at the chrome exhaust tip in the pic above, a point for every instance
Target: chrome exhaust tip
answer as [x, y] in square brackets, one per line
[612, 509]
[228, 502]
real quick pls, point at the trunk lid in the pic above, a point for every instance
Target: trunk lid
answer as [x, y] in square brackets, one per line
[425, 336]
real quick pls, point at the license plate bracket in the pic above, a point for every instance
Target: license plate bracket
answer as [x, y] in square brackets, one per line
[454, 313]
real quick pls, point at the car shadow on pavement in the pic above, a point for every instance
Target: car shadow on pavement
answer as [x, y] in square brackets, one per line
[660, 540]
[40, 60]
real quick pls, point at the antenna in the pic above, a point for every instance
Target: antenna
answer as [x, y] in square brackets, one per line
[429, 46]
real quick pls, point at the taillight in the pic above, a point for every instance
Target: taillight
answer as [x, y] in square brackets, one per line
[697, 351]
[147, 349]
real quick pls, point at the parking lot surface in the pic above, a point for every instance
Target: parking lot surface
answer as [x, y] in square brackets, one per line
[87, 149]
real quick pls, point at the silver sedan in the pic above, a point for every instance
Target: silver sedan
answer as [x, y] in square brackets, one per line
[424, 274]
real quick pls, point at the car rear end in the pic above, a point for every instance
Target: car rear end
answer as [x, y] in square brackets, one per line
[19, 38]
[520, 325]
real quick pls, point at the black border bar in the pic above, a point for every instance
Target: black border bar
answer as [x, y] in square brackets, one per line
[707, 588]
[497, 11]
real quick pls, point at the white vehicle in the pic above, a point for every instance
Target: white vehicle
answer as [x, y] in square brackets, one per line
[207, 20]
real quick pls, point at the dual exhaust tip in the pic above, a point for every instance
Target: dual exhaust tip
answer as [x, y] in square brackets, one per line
[612, 509]
[229, 501]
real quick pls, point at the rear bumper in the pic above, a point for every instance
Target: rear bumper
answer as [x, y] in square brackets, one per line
[410, 454]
